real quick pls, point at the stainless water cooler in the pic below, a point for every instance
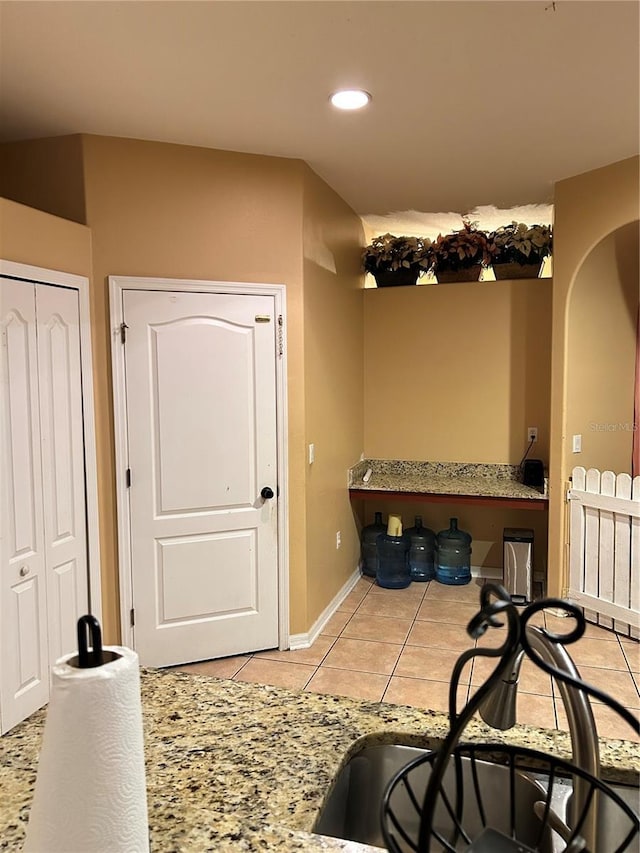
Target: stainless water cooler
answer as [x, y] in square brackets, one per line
[517, 546]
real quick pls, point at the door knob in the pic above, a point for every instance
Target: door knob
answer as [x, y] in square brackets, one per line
[266, 493]
[24, 571]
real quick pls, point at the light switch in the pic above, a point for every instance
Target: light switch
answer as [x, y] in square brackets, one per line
[312, 453]
[577, 444]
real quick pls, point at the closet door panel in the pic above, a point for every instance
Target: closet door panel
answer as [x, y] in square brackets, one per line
[62, 464]
[24, 655]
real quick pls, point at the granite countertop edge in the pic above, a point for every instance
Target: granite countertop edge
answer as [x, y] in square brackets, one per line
[445, 478]
[239, 766]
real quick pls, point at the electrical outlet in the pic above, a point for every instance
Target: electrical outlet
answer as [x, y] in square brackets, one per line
[577, 444]
[532, 433]
[338, 539]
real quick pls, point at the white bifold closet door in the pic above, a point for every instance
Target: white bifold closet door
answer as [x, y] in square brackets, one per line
[43, 545]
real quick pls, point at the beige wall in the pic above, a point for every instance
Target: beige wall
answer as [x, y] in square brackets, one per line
[185, 212]
[457, 372]
[181, 212]
[481, 348]
[45, 174]
[601, 353]
[32, 237]
[333, 348]
[588, 207]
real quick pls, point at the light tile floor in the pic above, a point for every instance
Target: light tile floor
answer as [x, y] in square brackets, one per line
[399, 646]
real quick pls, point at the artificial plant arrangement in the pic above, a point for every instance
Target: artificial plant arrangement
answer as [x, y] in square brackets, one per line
[518, 249]
[459, 256]
[396, 260]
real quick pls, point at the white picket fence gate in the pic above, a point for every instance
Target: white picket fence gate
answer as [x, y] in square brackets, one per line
[604, 548]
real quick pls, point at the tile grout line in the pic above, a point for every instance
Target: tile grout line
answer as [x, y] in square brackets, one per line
[554, 688]
[389, 677]
[318, 665]
[404, 644]
[413, 622]
[466, 688]
[335, 639]
[384, 692]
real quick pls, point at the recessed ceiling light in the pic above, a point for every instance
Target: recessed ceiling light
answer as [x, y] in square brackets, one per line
[350, 99]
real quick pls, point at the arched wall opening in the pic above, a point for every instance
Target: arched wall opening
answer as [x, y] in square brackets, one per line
[588, 209]
[602, 312]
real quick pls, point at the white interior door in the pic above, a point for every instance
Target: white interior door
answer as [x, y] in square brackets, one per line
[24, 655]
[65, 529]
[201, 424]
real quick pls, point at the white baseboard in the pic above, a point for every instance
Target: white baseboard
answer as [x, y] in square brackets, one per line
[557, 611]
[303, 641]
[485, 572]
[489, 572]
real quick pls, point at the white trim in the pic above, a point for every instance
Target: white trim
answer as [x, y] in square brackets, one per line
[41, 275]
[121, 465]
[488, 572]
[303, 641]
[624, 506]
[117, 285]
[604, 608]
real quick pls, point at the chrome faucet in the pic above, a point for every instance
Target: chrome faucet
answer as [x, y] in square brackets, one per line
[499, 711]
[495, 699]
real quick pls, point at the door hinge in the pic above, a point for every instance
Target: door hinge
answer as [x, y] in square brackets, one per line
[132, 617]
[123, 333]
[280, 335]
[128, 478]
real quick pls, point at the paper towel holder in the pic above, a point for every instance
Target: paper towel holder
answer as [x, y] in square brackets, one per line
[90, 633]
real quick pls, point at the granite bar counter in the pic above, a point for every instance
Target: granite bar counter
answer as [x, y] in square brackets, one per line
[233, 766]
[444, 482]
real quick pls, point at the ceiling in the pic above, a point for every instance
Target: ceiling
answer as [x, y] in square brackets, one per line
[474, 103]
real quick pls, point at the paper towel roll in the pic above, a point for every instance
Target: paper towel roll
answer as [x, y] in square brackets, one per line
[90, 794]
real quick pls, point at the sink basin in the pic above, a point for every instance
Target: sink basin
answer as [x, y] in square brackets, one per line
[612, 825]
[353, 808]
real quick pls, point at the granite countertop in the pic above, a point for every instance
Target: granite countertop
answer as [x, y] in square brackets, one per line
[243, 767]
[442, 478]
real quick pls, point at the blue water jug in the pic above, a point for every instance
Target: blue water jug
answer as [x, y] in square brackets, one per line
[369, 545]
[454, 555]
[393, 556]
[421, 551]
